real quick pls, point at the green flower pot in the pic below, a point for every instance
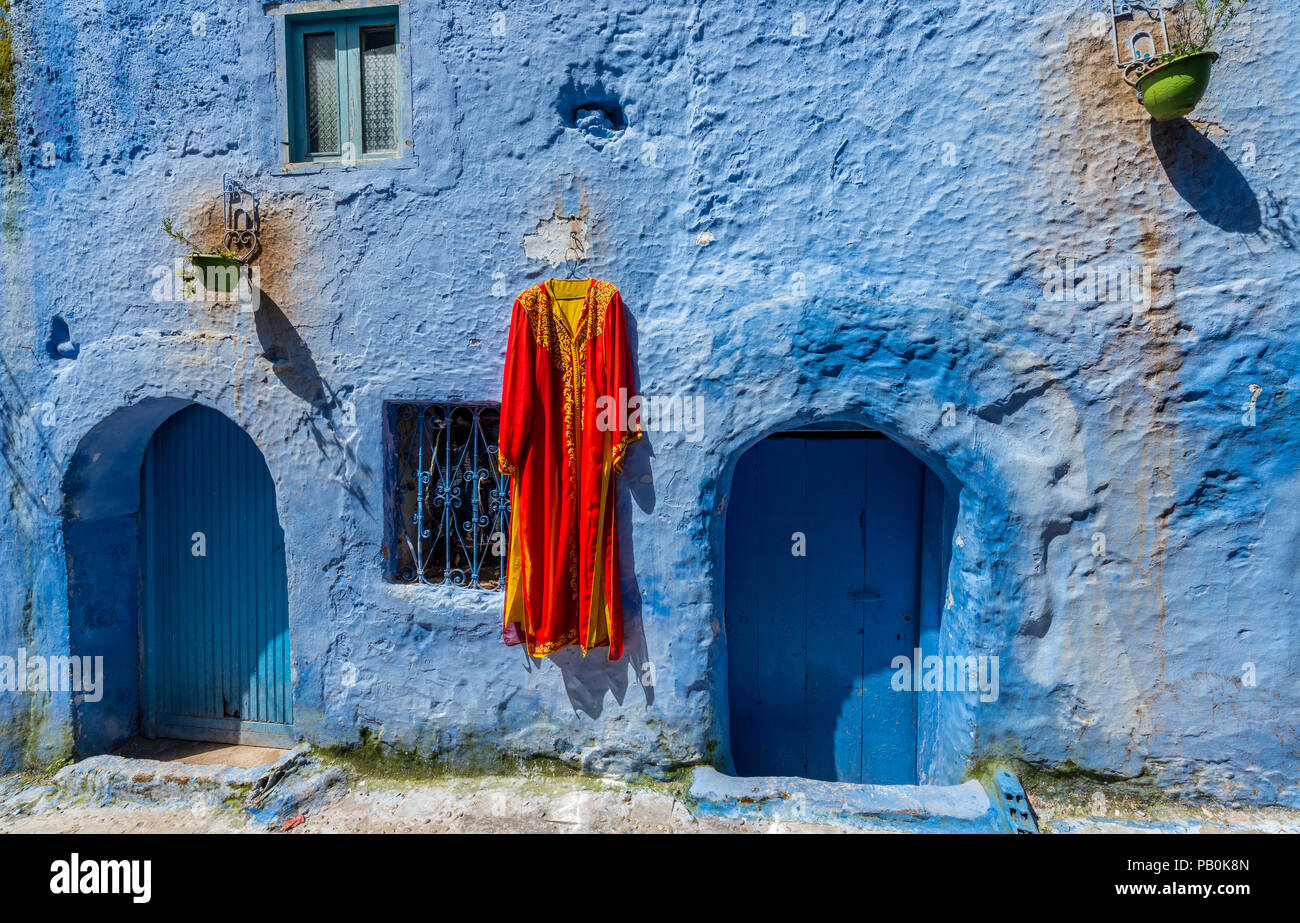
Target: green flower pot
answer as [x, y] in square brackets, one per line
[1172, 90]
[218, 273]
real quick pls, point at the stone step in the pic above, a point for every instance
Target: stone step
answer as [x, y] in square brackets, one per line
[964, 808]
[268, 794]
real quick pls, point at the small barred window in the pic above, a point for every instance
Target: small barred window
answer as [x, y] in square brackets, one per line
[448, 505]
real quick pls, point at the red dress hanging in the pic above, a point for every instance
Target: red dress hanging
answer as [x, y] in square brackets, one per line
[564, 431]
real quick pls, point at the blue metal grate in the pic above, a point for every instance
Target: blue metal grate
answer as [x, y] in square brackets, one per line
[448, 505]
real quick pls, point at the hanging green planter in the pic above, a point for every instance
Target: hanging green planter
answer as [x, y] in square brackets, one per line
[1169, 83]
[218, 273]
[1172, 89]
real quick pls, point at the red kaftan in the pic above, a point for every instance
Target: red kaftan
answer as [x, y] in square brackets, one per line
[561, 446]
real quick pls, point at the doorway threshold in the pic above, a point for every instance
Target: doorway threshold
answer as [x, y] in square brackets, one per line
[199, 753]
[965, 808]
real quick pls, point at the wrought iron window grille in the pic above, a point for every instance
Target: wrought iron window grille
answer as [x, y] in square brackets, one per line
[448, 506]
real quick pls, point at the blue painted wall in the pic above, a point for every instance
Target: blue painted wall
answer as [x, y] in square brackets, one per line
[839, 211]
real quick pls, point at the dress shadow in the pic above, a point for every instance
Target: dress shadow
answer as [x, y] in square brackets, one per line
[587, 680]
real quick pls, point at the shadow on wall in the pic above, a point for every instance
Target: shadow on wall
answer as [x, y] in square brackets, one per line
[1206, 179]
[291, 359]
[20, 415]
[295, 367]
[101, 491]
[587, 680]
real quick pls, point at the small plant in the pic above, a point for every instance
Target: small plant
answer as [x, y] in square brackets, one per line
[219, 268]
[1195, 27]
[195, 250]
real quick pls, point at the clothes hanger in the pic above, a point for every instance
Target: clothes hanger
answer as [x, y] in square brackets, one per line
[575, 247]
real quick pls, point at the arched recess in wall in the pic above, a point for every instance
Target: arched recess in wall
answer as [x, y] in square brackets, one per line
[176, 577]
[987, 415]
[837, 547]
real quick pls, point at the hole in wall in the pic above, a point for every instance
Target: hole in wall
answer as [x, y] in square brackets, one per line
[593, 110]
[60, 345]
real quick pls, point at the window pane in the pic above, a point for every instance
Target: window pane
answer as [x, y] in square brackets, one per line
[379, 89]
[322, 76]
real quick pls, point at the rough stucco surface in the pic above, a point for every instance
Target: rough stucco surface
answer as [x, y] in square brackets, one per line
[851, 224]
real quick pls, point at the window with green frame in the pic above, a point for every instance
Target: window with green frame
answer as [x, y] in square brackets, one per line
[344, 88]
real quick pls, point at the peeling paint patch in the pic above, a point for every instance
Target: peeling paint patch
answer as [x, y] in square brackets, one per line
[558, 239]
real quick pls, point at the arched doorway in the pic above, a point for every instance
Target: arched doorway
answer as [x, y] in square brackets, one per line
[836, 547]
[214, 611]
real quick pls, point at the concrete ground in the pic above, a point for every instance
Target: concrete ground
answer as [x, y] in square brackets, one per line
[1115, 810]
[545, 804]
[517, 804]
[488, 805]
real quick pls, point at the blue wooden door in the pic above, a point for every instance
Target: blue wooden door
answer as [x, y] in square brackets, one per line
[214, 594]
[822, 592]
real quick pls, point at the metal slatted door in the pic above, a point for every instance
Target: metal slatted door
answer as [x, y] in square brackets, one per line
[822, 593]
[214, 594]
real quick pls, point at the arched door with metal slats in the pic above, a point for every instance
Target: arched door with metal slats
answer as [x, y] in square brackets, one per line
[214, 592]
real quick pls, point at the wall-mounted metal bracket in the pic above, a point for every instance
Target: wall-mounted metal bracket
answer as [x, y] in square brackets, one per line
[242, 220]
[1140, 19]
[1014, 803]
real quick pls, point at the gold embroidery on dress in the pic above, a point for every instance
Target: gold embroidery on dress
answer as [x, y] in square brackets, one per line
[550, 647]
[541, 318]
[604, 294]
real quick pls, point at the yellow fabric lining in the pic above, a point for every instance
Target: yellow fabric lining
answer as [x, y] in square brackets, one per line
[515, 609]
[597, 615]
[569, 295]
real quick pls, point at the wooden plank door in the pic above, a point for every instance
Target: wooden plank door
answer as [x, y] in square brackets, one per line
[823, 541]
[214, 592]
